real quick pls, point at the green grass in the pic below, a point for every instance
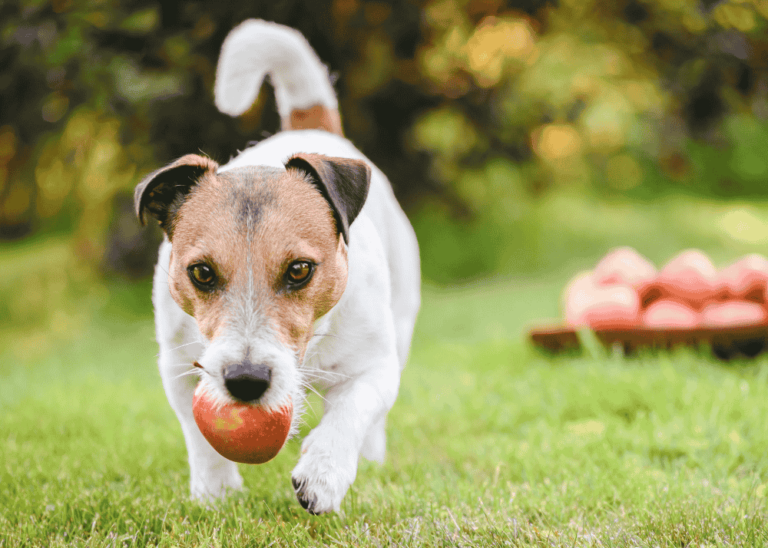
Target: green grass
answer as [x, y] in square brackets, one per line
[490, 443]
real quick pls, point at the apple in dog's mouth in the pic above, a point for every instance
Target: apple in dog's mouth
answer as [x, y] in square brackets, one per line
[239, 431]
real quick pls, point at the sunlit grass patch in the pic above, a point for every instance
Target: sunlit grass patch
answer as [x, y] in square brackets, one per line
[490, 443]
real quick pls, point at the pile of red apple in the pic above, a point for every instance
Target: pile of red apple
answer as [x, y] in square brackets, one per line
[626, 291]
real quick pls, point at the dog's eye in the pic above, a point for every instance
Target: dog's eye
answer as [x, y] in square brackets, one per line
[202, 275]
[299, 273]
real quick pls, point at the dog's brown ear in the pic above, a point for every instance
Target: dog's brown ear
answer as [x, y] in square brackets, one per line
[344, 183]
[162, 192]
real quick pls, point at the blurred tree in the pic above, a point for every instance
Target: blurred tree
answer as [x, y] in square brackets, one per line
[596, 93]
[473, 107]
[93, 94]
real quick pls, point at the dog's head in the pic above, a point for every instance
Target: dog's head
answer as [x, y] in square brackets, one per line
[258, 255]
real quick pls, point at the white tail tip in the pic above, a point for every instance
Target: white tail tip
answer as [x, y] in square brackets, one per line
[256, 48]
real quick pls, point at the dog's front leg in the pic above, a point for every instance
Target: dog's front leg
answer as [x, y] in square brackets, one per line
[211, 475]
[353, 410]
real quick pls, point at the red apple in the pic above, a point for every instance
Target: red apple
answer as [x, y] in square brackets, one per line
[690, 277]
[577, 296]
[732, 314]
[624, 265]
[746, 276]
[239, 431]
[669, 314]
[613, 307]
[600, 307]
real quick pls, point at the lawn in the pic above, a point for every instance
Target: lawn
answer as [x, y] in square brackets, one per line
[490, 443]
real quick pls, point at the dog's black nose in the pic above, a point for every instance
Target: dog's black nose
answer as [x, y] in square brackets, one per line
[246, 381]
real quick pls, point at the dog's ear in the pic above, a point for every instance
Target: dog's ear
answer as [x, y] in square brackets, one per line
[344, 183]
[162, 192]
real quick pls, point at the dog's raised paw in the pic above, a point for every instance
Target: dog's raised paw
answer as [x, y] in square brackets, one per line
[321, 483]
[317, 497]
[308, 502]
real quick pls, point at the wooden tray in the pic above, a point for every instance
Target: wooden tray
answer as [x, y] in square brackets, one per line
[726, 343]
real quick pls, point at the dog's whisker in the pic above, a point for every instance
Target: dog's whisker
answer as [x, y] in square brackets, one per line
[187, 373]
[179, 364]
[328, 373]
[306, 384]
[302, 420]
[319, 374]
[314, 390]
[329, 335]
[322, 398]
[185, 344]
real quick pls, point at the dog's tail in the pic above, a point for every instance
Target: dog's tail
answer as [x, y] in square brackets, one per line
[255, 48]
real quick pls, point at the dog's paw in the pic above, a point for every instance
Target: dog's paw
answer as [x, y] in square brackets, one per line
[322, 478]
[216, 484]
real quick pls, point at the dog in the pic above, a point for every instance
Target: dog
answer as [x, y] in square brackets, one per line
[290, 267]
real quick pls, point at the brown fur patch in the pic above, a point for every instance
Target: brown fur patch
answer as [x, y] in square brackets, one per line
[314, 117]
[250, 235]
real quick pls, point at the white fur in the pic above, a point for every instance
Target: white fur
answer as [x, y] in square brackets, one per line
[256, 48]
[361, 344]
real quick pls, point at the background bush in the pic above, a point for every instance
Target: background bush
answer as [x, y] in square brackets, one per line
[477, 110]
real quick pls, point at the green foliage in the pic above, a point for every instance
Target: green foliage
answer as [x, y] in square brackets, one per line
[637, 99]
[120, 86]
[474, 109]
[589, 90]
[566, 232]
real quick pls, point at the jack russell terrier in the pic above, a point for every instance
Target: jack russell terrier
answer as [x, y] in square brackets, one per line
[289, 267]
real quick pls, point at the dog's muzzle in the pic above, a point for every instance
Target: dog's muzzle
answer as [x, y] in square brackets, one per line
[246, 381]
